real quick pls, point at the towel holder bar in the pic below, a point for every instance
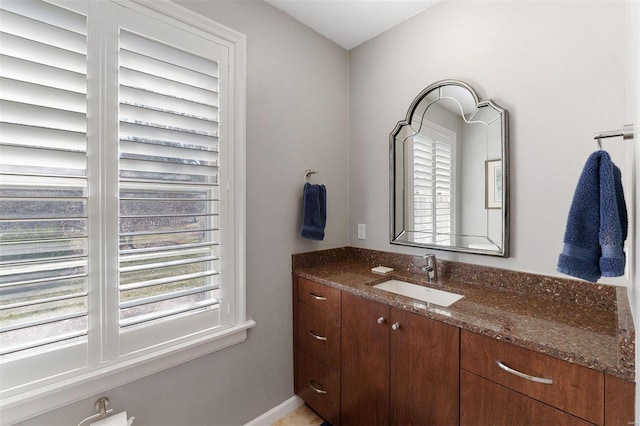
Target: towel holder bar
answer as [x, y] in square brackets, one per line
[308, 173]
[626, 132]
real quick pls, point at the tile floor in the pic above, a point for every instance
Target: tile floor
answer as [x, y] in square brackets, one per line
[303, 416]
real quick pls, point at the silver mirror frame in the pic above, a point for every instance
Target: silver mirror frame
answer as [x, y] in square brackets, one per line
[504, 251]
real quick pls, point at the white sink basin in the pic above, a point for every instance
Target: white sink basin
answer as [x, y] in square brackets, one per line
[426, 294]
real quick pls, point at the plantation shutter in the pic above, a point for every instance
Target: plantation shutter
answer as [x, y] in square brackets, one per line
[43, 187]
[122, 212]
[170, 259]
[432, 184]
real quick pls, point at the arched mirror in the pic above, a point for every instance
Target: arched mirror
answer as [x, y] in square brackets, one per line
[450, 172]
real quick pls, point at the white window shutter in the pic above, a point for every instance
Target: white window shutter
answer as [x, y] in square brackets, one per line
[171, 216]
[43, 191]
[121, 194]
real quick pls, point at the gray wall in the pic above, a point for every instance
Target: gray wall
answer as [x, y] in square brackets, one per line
[297, 115]
[558, 67]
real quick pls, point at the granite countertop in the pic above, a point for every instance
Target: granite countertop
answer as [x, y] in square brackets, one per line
[578, 322]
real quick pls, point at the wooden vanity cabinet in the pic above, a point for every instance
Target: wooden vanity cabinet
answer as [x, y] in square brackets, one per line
[361, 362]
[398, 368]
[317, 331]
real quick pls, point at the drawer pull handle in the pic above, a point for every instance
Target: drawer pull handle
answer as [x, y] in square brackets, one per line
[315, 296]
[316, 388]
[395, 326]
[380, 320]
[524, 375]
[317, 336]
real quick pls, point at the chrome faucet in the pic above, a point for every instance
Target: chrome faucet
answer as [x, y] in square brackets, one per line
[431, 268]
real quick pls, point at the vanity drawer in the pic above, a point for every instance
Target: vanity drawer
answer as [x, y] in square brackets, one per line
[319, 335]
[575, 389]
[319, 296]
[486, 403]
[319, 386]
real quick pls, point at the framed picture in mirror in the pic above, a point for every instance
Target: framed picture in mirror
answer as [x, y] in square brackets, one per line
[493, 184]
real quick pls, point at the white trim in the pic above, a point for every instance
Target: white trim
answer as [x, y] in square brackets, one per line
[166, 8]
[276, 413]
[38, 401]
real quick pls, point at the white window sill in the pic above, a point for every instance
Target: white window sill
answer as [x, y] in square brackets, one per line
[38, 401]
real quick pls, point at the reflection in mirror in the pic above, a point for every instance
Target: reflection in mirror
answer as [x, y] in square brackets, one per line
[449, 172]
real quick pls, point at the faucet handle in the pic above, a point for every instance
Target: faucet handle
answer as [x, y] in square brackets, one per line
[431, 267]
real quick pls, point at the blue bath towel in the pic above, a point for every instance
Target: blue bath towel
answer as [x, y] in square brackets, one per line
[314, 211]
[597, 224]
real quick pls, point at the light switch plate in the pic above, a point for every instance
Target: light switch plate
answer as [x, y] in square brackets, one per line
[362, 231]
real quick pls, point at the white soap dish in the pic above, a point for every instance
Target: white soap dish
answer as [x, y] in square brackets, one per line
[383, 270]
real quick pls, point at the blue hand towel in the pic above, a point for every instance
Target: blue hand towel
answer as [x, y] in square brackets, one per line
[314, 211]
[597, 223]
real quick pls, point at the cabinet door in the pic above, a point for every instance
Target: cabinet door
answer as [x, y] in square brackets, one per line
[619, 398]
[424, 371]
[486, 403]
[365, 362]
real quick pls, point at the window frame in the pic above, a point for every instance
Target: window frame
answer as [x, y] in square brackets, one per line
[19, 404]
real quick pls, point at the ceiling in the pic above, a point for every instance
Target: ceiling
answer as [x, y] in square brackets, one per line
[351, 22]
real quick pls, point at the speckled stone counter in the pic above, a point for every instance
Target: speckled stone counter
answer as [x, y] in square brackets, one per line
[583, 323]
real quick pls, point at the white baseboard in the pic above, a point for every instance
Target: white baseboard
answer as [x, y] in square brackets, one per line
[277, 412]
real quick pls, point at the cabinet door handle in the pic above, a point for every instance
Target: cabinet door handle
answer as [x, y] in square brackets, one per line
[315, 296]
[317, 336]
[524, 375]
[395, 326]
[315, 386]
[380, 320]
